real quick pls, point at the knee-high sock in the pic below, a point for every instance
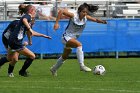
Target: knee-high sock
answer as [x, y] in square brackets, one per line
[3, 60]
[80, 55]
[26, 64]
[10, 68]
[60, 61]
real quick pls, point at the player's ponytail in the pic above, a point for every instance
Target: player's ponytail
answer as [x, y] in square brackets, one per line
[22, 9]
[93, 8]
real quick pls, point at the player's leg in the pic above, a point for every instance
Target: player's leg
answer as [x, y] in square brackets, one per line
[60, 61]
[4, 60]
[79, 52]
[30, 57]
[14, 59]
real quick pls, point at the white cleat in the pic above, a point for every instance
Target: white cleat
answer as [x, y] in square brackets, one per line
[54, 72]
[85, 68]
[10, 75]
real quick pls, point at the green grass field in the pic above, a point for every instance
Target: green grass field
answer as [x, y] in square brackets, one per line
[122, 76]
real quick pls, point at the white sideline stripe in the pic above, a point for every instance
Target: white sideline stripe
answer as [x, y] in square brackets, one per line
[114, 90]
[69, 81]
[72, 88]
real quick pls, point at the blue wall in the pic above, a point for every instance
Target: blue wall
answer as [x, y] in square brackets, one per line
[117, 35]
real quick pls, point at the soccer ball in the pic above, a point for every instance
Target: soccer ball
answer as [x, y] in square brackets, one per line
[99, 70]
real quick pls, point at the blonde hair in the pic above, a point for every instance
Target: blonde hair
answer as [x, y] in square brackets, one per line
[29, 8]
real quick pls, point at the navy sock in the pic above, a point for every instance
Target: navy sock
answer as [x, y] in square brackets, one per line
[26, 64]
[10, 69]
[3, 60]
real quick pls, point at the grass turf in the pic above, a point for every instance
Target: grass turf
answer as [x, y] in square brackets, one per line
[122, 76]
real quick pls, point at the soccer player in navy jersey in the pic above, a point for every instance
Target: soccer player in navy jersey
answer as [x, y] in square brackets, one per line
[5, 37]
[15, 41]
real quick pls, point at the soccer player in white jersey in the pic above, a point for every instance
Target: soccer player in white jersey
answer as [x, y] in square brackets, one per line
[74, 29]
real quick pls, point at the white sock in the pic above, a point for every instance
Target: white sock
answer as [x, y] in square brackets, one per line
[80, 56]
[60, 61]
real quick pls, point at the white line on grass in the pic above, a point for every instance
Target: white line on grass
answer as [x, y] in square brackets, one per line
[120, 90]
[72, 88]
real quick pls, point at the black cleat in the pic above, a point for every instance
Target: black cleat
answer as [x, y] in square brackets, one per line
[24, 74]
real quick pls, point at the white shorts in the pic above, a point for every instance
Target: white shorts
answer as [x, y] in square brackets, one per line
[65, 39]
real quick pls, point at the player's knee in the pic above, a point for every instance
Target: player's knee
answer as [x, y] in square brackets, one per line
[79, 48]
[14, 60]
[79, 45]
[32, 56]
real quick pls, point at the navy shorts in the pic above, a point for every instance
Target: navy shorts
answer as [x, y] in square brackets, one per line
[15, 44]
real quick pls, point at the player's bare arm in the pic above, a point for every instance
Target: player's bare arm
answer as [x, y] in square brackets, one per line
[27, 25]
[60, 13]
[40, 35]
[96, 20]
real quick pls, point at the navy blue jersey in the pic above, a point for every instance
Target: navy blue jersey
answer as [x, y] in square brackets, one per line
[7, 31]
[10, 28]
[16, 36]
[20, 30]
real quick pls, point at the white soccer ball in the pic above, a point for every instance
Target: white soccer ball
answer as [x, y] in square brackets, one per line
[99, 70]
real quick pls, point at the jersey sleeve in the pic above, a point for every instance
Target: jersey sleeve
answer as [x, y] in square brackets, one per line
[28, 17]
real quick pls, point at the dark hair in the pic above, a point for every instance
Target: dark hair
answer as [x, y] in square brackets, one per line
[22, 9]
[91, 8]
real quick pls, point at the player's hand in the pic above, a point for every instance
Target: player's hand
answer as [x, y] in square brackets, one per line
[25, 43]
[56, 26]
[104, 22]
[48, 37]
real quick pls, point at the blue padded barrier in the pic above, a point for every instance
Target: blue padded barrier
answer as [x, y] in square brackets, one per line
[117, 35]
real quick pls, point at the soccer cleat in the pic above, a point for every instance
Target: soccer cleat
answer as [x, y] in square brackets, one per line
[85, 68]
[10, 75]
[24, 74]
[54, 72]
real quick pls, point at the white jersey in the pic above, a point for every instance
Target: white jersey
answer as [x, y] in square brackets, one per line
[75, 26]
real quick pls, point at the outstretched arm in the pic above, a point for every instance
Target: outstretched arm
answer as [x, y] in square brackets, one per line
[96, 20]
[34, 33]
[60, 13]
[40, 35]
